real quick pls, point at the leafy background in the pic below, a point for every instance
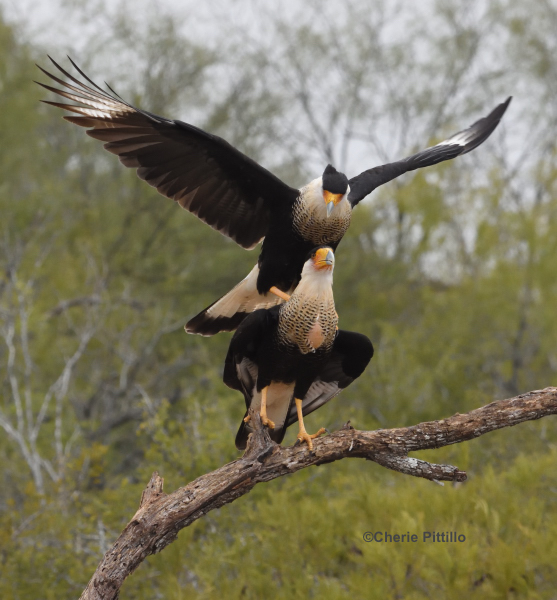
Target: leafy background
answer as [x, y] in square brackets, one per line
[451, 272]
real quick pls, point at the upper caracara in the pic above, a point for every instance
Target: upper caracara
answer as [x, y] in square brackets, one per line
[238, 197]
[291, 359]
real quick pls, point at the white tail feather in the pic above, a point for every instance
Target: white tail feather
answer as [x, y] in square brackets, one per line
[244, 297]
[227, 312]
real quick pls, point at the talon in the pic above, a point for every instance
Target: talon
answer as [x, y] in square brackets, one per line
[247, 419]
[266, 421]
[304, 436]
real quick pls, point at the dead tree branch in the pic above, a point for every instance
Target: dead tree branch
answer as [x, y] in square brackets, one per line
[160, 516]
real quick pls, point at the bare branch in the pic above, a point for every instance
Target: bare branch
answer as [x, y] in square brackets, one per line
[66, 304]
[160, 517]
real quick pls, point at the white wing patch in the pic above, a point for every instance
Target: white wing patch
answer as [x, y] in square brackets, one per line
[460, 139]
[244, 297]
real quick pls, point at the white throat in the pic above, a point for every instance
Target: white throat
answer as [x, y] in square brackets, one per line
[315, 282]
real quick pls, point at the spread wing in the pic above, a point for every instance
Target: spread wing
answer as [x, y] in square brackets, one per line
[350, 356]
[201, 172]
[460, 143]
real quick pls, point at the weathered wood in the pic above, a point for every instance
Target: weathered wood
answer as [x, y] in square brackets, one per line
[160, 517]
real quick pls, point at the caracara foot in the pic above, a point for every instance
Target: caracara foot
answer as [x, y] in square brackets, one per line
[283, 295]
[304, 436]
[266, 421]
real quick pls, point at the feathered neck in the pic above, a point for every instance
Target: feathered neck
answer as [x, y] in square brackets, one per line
[315, 282]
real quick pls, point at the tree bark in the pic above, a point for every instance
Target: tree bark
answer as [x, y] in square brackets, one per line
[160, 517]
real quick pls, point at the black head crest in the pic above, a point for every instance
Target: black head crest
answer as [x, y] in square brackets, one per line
[312, 252]
[333, 181]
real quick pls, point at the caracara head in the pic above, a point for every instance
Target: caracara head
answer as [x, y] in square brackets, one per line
[335, 187]
[317, 274]
[320, 260]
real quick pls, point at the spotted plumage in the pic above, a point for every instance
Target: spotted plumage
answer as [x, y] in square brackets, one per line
[310, 221]
[308, 322]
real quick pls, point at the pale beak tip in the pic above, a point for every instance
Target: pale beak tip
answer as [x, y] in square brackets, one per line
[330, 207]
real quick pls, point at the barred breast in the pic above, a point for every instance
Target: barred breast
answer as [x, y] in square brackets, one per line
[308, 323]
[311, 223]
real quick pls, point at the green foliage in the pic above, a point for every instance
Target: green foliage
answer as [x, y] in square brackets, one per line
[452, 275]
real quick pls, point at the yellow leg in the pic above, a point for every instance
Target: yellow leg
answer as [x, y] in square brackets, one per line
[264, 419]
[274, 290]
[303, 435]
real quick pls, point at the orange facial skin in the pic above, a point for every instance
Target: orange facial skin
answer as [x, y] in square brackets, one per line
[324, 258]
[330, 197]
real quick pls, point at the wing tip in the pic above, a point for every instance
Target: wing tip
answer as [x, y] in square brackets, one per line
[500, 110]
[207, 326]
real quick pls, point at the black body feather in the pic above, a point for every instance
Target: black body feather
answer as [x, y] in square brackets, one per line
[256, 358]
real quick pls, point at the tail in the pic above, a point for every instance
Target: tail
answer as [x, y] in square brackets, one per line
[280, 398]
[229, 311]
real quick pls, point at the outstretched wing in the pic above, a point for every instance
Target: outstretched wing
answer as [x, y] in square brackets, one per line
[350, 356]
[202, 172]
[460, 143]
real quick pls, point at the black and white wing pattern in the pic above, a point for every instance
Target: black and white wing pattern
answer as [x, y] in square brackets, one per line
[201, 172]
[460, 143]
[350, 357]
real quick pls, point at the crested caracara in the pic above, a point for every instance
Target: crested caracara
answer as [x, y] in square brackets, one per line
[238, 197]
[291, 359]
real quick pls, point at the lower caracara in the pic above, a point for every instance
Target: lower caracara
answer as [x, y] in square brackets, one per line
[291, 359]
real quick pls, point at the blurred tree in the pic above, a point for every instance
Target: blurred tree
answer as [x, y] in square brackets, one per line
[451, 272]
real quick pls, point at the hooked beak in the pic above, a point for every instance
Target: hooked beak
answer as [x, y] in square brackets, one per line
[324, 258]
[331, 200]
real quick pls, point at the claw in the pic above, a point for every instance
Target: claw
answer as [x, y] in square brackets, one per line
[304, 436]
[266, 421]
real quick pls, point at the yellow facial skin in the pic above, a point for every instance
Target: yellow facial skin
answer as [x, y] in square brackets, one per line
[330, 197]
[331, 200]
[324, 258]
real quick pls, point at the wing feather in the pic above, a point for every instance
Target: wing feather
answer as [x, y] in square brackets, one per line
[179, 160]
[350, 356]
[460, 143]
